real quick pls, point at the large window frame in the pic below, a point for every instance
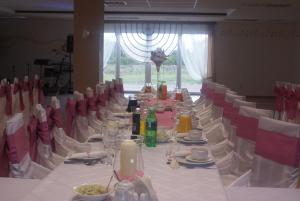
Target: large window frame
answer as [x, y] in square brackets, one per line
[148, 64]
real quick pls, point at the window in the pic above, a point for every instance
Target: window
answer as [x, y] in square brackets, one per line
[128, 46]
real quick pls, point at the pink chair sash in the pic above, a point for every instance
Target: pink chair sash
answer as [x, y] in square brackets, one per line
[4, 162]
[278, 147]
[111, 93]
[81, 108]
[230, 112]
[8, 107]
[92, 103]
[210, 93]
[18, 89]
[119, 88]
[70, 110]
[38, 85]
[27, 86]
[204, 88]
[37, 130]
[247, 127]
[106, 94]
[297, 94]
[291, 103]
[54, 118]
[101, 100]
[18, 146]
[2, 91]
[218, 99]
[280, 93]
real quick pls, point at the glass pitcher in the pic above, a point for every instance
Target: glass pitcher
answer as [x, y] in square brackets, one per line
[185, 122]
[129, 163]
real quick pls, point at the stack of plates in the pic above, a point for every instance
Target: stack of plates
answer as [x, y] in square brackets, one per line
[189, 161]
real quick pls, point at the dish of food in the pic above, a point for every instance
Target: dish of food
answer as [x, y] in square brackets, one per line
[92, 191]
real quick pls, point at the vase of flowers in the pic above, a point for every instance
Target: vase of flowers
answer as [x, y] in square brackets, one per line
[158, 57]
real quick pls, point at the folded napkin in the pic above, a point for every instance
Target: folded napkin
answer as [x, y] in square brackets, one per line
[87, 156]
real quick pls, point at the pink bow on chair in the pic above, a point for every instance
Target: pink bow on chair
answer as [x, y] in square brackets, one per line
[91, 103]
[8, 94]
[81, 107]
[279, 93]
[27, 86]
[37, 130]
[290, 103]
[38, 85]
[4, 162]
[18, 89]
[70, 110]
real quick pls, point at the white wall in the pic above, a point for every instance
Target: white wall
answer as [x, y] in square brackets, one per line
[22, 41]
[250, 57]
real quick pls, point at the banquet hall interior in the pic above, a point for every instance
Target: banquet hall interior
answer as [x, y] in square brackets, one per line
[150, 100]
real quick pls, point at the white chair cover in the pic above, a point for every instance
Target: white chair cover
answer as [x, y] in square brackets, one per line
[101, 102]
[20, 163]
[82, 130]
[45, 156]
[245, 146]
[277, 154]
[243, 154]
[93, 120]
[64, 145]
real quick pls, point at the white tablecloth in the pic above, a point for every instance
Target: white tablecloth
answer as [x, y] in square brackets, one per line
[263, 194]
[198, 184]
[12, 189]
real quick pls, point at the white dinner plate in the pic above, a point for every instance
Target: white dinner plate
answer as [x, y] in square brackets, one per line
[189, 158]
[183, 161]
[182, 140]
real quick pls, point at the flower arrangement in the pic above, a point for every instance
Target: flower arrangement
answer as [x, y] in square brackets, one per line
[158, 57]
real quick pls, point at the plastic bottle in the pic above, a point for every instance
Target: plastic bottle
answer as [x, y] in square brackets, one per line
[151, 129]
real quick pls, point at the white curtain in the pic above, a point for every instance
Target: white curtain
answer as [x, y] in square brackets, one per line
[137, 40]
[109, 46]
[194, 53]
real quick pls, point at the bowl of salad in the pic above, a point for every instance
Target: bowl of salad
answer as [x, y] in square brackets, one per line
[92, 192]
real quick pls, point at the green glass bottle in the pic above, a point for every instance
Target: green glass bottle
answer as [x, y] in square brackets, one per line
[151, 129]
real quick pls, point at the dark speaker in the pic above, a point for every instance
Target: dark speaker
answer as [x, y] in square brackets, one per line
[70, 43]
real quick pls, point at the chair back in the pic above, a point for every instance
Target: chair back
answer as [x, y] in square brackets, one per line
[277, 154]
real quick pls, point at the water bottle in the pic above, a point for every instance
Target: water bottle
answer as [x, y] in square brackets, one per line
[151, 129]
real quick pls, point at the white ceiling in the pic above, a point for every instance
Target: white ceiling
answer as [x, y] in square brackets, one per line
[287, 10]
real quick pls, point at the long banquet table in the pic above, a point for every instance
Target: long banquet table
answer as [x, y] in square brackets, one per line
[195, 184]
[170, 184]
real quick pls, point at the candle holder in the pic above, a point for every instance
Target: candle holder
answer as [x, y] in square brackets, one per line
[129, 163]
